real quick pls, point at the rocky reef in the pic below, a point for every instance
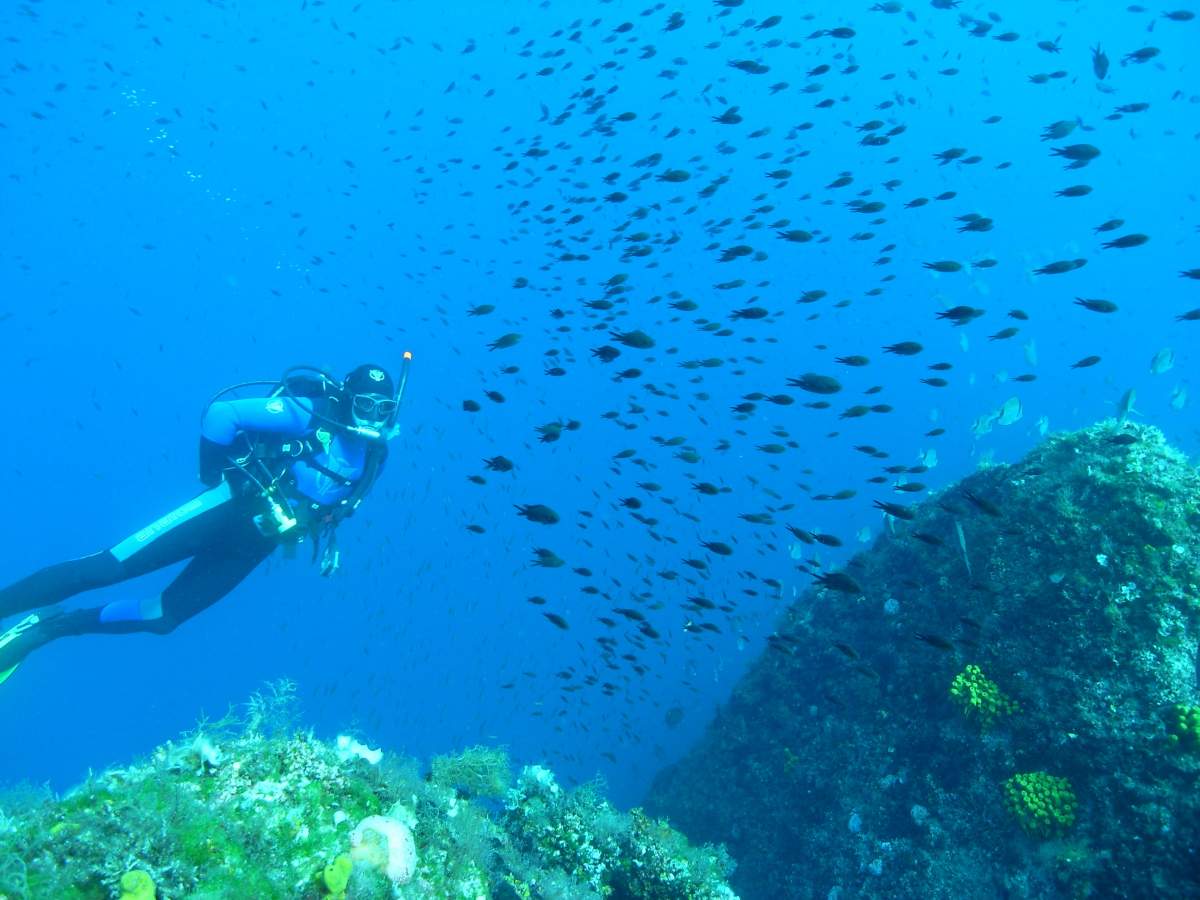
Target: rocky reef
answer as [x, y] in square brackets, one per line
[997, 699]
[253, 807]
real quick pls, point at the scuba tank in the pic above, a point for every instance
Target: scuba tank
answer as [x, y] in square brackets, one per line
[262, 465]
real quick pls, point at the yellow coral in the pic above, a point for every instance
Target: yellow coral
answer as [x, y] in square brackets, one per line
[1043, 804]
[980, 698]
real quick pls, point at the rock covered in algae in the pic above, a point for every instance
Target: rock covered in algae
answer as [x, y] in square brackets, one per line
[856, 759]
[237, 811]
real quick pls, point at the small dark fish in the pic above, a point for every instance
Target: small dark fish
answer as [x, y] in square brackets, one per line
[537, 512]
[1099, 63]
[796, 236]
[547, 558]
[1145, 54]
[1100, 306]
[816, 384]
[504, 341]
[1058, 130]
[960, 315]
[985, 506]
[557, 620]
[930, 539]
[801, 535]
[470, 406]
[840, 582]
[1075, 190]
[895, 510]
[1125, 241]
[866, 671]
[934, 640]
[499, 464]
[1060, 266]
[1086, 363]
[904, 348]
[948, 156]
[845, 649]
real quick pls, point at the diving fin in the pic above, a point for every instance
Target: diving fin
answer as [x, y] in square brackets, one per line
[14, 634]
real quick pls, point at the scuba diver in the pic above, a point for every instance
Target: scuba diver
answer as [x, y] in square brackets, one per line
[279, 469]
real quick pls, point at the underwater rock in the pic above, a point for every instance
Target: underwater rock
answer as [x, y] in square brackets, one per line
[1019, 663]
[285, 815]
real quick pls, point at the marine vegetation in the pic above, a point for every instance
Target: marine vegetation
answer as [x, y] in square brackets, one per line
[235, 810]
[1070, 579]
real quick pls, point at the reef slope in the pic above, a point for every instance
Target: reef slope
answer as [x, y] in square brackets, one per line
[999, 699]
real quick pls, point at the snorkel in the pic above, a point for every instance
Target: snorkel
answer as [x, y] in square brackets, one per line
[390, 426]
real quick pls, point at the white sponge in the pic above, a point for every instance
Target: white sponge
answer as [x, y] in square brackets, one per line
[385, 844]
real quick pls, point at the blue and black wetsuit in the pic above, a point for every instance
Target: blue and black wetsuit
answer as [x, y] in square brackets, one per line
[320, 474]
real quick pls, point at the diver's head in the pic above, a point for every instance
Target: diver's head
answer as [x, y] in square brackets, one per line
[371, 396]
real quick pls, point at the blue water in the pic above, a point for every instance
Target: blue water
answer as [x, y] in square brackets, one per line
[212, 193]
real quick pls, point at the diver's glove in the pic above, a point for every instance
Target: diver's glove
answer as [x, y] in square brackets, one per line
[331, 558]
[214, 460]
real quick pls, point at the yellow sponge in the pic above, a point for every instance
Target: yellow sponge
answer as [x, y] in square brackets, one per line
[136, 884]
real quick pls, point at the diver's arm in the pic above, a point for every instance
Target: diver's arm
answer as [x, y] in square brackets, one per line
[225, 420]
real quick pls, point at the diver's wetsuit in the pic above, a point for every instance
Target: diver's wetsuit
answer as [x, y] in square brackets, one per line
[215, 530]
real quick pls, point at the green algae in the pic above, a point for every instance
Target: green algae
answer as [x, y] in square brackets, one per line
[238, 812]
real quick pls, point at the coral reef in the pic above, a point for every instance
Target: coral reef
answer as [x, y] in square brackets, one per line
[235, 811]
[1071, 579]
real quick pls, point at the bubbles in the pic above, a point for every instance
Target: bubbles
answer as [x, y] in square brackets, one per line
[157, 131]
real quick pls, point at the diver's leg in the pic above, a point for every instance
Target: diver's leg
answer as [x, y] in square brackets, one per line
[209, 576]
[171, 538]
